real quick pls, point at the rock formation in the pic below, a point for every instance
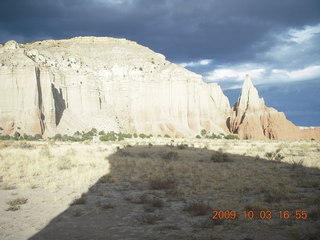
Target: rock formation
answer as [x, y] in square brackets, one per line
[251, 119]
[64, 86]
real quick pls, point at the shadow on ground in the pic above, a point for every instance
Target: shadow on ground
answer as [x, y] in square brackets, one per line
[166, 192]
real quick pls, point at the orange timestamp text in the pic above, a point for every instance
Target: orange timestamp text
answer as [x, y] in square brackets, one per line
[260, 214]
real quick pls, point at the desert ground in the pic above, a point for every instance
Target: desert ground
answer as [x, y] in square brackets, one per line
[160, 188]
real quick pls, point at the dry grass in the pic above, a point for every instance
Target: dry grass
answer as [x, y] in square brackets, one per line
[52, 166]
[177, 184]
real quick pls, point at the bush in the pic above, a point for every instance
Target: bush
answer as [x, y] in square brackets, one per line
[220, 157]
[170, 156]
[198, 136]
[17, 201]
[232, 137]
[197, 209]
[274, 156]
[120, 137]
[30, 138]
[37, 137]
[142, 135]
[159, 184]
[166, 136]
[108, 137]
[16, 136]
[79, 201]
[128, 135]
[203, 132]
[5, 137]
[58, 137]
[101, 133]
[182, 146]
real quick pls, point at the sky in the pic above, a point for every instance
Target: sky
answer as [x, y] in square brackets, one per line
[275, 41]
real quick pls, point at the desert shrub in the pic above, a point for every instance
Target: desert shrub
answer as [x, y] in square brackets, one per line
[120, 137]
[4, 137]
[17, 201]
[203, 132]
[142, 135]
[37, 137]
[159, 184]
[170, 156]
[101, 133]
[106, 206]
[212, 136]
[182, 146]
[197, 209]
[157, 203]
[79, 201]
[110, 136]
[198, 136]
[26, 137]
[150, 218]
[297, 164]
[92, 132]
[57, 137]
[220, 157]
[78, 212]
[233, 137]
[77, 134]
[88, 135]
[274, 156]
[135, 135]
[127, 135]
[16, 136]
[275, 195]
[166, 136]
[13, 208]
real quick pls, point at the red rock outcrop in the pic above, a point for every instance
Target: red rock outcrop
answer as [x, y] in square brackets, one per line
[251, 119]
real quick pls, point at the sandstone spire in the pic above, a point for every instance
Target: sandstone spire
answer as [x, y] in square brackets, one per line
[251, 119]
[249, 98]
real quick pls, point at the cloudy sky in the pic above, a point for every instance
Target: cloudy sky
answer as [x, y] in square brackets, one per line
[275, 41]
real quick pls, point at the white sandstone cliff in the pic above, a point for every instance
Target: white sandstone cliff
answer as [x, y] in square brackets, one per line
[63, 86]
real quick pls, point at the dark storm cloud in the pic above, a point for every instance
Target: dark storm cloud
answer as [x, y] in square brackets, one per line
[227, 31]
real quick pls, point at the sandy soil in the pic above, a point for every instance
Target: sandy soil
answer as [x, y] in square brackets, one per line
[158, 188]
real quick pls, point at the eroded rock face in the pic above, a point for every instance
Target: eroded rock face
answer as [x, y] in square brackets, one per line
[251, 119]
[64, 86]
